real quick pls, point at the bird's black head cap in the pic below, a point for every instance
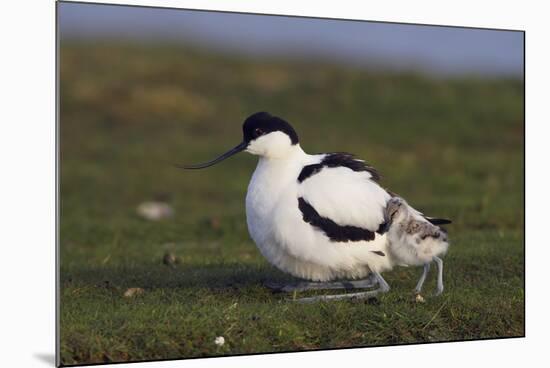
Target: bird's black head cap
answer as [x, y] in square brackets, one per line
[262, 123]
[254, 126]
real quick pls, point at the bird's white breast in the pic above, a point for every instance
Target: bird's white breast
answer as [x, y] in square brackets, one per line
[276, 225]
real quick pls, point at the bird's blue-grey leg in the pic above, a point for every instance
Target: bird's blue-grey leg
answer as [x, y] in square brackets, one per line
[418, 288]
[383, 288]
[439, 264]
[307, 285]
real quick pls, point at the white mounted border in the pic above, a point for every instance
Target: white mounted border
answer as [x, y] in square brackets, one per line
[27, 151]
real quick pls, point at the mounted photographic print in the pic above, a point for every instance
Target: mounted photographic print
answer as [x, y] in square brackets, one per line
[236, 183]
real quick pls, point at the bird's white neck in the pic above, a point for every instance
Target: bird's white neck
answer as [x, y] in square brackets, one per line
[291, 154]
[274, 173]
[275, 145]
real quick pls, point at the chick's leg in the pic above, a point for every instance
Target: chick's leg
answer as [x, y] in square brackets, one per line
[439, 264]
[418, 288]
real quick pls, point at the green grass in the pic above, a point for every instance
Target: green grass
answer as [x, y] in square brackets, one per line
[451, 147]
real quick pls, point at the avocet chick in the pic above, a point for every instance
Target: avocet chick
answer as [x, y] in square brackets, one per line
[414, 240]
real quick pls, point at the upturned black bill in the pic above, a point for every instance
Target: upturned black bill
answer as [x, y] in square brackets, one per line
[241, 147]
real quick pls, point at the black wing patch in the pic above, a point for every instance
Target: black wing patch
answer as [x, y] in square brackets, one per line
[308, 171]
[383, 228]
[338, 159]
[335, 232]
[438, 221]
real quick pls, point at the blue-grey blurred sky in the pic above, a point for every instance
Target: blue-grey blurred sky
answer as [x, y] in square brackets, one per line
[435, 50]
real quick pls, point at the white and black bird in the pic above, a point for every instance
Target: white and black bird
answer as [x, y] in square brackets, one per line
[321, 217]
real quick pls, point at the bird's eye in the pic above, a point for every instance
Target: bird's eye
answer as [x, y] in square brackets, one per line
[258, 132]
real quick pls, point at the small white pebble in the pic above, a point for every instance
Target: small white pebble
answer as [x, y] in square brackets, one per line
[419, 298]
[131, 292]
[219, 341]
[155, 211]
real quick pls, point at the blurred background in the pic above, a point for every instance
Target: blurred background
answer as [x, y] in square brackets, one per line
[437, 110]
[433, 50]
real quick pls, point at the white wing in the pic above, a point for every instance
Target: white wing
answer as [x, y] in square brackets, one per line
[346, 197]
